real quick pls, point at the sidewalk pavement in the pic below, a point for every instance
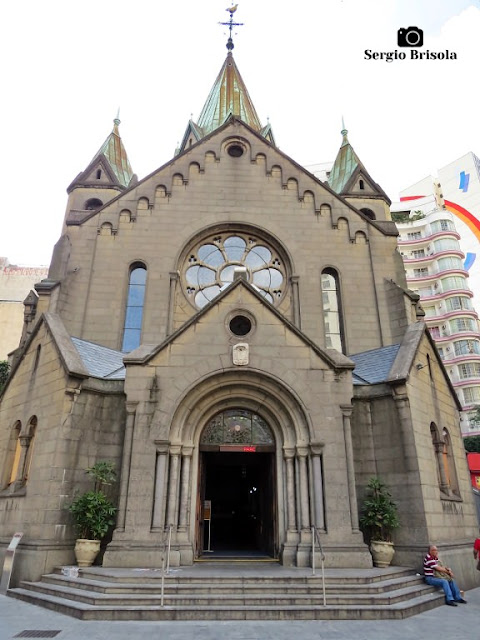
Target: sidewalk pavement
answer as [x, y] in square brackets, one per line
[443, 622]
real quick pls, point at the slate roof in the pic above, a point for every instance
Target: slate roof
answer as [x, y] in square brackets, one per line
[100, 362]
[374, 366]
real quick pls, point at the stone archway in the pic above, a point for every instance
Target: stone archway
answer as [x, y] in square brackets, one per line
[297, 461]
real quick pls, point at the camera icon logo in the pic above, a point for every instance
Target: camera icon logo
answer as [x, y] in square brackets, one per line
[411, 37]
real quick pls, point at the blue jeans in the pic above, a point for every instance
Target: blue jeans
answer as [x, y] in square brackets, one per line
[449, 587]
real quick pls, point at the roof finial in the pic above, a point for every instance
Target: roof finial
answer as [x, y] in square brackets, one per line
[117, 117]
[230, 25]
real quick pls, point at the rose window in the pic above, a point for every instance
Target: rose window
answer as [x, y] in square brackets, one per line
[210, 268]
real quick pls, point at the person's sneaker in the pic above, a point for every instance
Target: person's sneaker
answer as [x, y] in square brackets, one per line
[462, 601]
[451, 603]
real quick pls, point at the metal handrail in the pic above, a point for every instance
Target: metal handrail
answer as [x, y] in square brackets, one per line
[167, 542]
[316, 537]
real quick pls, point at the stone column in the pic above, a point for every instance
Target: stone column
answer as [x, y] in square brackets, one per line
[318, 504]
[161, 470]
[352, 492]
[296, 301]
[291, 518]
[185, 488]
[302, 453]
[173, 484]
[131, 408]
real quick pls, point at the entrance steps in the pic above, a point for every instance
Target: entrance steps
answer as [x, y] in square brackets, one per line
[252, 591]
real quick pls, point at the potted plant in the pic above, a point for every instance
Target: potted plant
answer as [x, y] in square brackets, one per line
[379, 517]
[93, 513]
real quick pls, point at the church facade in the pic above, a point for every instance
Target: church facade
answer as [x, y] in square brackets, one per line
[237, 337]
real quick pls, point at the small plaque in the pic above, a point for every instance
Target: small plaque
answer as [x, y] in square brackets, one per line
[207, 510]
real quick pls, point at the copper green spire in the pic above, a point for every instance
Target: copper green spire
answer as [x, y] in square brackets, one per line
[345, 164]
[228, 96]
[114, 152]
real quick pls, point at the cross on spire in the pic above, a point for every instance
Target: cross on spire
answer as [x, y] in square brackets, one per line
[230, 24]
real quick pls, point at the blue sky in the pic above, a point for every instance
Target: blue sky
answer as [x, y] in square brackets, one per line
[69, 66]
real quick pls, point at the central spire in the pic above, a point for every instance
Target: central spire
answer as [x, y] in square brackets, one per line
[228, 97]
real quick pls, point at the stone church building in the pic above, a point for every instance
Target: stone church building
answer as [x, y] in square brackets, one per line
[237, 337]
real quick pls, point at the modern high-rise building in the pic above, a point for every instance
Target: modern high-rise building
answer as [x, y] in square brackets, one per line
[429, 244]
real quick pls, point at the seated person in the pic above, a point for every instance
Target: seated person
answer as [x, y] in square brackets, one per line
[432, 565]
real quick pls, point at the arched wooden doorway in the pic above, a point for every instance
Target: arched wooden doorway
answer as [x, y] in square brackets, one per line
[236, 503]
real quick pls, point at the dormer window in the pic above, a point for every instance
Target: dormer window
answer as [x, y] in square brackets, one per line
[361, 185]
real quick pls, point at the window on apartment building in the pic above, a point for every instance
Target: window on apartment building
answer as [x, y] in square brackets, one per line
[454, 282]
[469, 370]
[458, 302]
[446, 244]
[463, 324]
[442, 225]
[420, 253]
[332, 310]
[418, 273]
[471, 395]
[414, 235]
[441, 353]
[134, 311]
[449, 263]
[466, 347]
[435, 332]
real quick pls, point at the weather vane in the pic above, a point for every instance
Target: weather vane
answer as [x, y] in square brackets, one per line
[230, 24]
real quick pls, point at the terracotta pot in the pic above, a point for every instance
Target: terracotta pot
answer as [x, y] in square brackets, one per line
[382, 553]
[86, 551]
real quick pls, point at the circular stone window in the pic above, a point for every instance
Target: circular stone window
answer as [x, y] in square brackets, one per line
[235, 150]
[240, 325]
[210, 267]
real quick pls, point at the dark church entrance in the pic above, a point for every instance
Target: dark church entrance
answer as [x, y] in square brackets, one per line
[236, 509]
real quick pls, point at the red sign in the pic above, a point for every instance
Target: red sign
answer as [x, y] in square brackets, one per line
[249, 449]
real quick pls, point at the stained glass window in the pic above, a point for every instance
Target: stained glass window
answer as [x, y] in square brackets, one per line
[237, 426]
[210, 268]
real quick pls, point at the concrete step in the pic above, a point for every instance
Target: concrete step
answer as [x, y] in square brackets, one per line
[173, 585]
[240, 596]
[85, 611]
[246, 573]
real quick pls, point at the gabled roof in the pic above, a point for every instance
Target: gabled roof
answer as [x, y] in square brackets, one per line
[145, 352]
[228, 97]
[113, 157]
[347, 168]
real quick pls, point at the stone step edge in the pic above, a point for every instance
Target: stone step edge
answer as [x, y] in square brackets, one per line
[69, 604]
[170, 585]
[72, 594]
